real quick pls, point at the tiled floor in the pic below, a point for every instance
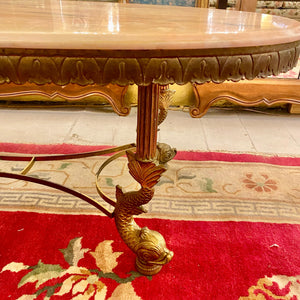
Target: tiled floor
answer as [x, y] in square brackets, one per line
[218, 130]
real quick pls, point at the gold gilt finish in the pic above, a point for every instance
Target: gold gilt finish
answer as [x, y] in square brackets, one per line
[149, 246]
[146, 167]
[165, 100]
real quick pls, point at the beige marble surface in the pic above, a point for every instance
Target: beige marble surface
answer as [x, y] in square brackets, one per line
[64, 24]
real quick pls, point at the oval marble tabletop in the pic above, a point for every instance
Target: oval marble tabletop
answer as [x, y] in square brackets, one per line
[97, 25]
[129, 43]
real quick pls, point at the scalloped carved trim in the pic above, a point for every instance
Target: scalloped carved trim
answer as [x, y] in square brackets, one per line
[114, 94]
[267, 91]
[63, 70]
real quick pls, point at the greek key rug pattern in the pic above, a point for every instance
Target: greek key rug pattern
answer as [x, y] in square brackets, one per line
[189, 190]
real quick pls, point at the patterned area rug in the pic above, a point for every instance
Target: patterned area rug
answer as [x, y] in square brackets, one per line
[232, 221]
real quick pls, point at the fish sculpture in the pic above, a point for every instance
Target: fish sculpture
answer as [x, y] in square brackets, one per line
[149, 245]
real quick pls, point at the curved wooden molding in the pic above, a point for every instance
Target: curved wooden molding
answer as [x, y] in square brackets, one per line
[267, 91]
[114, 94]
[144, 68]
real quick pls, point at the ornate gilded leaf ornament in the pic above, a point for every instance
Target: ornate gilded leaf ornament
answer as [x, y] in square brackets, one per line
[77, 282]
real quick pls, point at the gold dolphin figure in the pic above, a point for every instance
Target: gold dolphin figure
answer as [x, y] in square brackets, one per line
[149, 245]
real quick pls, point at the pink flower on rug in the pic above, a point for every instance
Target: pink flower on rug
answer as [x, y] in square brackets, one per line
[261, 184]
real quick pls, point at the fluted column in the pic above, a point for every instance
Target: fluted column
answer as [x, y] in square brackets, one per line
[202, 3]
[147, 122]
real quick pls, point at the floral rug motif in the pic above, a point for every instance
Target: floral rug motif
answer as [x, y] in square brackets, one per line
[76, 282]
[199, 186]
[58, 256]
[232, 221]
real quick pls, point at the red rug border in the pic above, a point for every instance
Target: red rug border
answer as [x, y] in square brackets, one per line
[181, 155]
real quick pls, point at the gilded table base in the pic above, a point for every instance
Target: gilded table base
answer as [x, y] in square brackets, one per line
[146, 162]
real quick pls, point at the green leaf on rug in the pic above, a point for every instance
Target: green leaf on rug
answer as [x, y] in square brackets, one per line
[50, 290]
[115, 277]
[41, 273]
[109, 181]
[186, 177]
[64, 166]
[74, 252]
[207, 185]
[164, 180]
[39, 175]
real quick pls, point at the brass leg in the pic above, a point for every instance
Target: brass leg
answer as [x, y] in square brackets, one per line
[149, 245]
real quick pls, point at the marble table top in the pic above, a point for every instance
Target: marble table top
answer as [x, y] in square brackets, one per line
[87, 42]
[65, 24]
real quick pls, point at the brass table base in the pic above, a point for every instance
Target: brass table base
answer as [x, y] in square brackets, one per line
[146, 166]
[148, 245]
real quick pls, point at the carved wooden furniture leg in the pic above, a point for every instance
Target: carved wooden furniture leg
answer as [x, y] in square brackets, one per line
[149, 245]
[147, 122]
